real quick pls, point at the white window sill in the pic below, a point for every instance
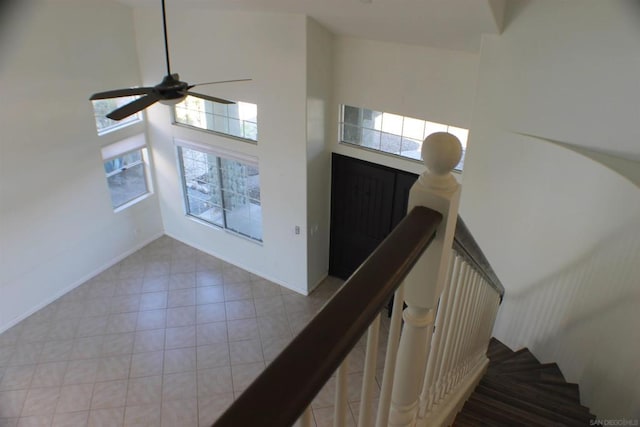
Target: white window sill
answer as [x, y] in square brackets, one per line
[132, 202]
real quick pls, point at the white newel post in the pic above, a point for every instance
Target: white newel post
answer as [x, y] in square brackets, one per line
[437, 189]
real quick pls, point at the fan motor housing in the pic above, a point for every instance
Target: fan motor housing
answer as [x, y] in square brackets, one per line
[171, 88]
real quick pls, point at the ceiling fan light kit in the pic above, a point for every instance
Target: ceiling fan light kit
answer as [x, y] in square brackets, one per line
[170, 91]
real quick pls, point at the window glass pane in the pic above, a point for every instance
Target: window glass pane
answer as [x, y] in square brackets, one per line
[201, 180]
[390, 143]
[352, 115]
[413, 128]
[392, 123]
[123, 161]
[253, 183]
[431, 127]
[126, 178]
[220, 109]
[250, 130]
[242, 212]
[351, 133]
[370, 138]
[233, 111]
[248, 111]
[221, 124]
[239, 119]
[411, 148]
[371, 119]
[192, 111]
[234, 127]
[222, 192]
[102, 107]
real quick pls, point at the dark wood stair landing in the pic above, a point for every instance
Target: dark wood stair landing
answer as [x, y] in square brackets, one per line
[518, 390]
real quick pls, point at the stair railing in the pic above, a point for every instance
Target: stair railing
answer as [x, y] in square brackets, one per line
[451, 298]
[465, 318]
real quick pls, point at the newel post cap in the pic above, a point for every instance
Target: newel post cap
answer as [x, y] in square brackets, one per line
[441, 152]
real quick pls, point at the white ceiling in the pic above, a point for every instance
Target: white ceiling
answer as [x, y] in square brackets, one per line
[447, 24]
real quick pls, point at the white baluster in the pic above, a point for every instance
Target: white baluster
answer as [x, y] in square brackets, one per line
[469, 325]
[369, 379]
[437, 189]
[438, 339]
[445, 361]
[478, 321]
[340, 403]
[458, 356]
[484, 318]
[388, 374]
[458, 326]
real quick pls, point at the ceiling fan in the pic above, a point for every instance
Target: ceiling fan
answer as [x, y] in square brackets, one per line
[170, 91]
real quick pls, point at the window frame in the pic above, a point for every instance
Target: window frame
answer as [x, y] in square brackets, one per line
[220, 154]
[361, 127]
[117, 125]
[174, 119]
[121, 148]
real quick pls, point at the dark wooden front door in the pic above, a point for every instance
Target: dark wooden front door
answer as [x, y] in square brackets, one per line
[367, 201]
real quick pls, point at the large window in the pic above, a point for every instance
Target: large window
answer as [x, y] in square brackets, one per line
[125, 166]
[239, 119]
[221, 190]
[102, 107]
[392, 133]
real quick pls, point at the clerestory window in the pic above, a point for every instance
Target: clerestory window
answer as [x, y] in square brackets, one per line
[102, 107]
[392, 133]
[239, 120]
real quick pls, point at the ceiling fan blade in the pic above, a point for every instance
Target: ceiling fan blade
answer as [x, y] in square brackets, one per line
[210, 98]
[121, 92]
[221, 81]
[133, 107]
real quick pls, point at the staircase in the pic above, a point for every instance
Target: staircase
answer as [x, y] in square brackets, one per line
[519, 390]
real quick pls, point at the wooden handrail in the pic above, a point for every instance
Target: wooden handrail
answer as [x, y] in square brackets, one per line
[468, 248]
[288, 385]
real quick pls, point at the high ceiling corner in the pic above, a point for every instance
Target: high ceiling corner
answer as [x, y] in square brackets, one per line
[445, 24]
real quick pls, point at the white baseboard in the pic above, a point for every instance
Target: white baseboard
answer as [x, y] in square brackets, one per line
[239, 265]
[318, 282]
[79, 282]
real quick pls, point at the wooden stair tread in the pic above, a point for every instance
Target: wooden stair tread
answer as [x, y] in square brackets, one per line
[521, 356]
[549, 368]
[519, 390]
[497, 349]
[469, 419]
[535, 392]
[539, 405]
[505, 413]
[532, 375]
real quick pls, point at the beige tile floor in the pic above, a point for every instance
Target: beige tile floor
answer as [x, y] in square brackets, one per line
[167, 337]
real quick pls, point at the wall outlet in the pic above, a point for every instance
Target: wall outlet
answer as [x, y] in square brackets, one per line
[296, 230]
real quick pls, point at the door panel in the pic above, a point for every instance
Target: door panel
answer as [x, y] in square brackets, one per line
[404, 181]
[367, 201]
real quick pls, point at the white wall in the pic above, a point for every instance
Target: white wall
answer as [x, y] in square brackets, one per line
[57, 226]
[585, 318]
[415, 81]
[319, 122]
[210, 45]
[566, 71]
